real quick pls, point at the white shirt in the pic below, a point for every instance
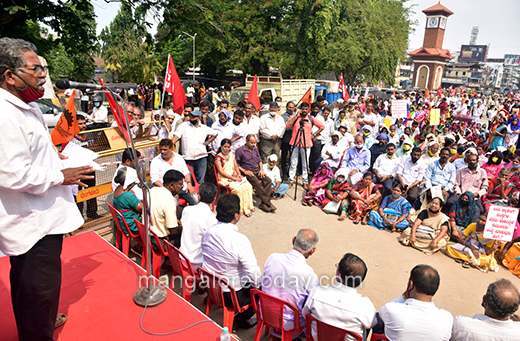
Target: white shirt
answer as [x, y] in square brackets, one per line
[195, 220]
[228, 254]
[163, 211]
[223, 132]
[273, 174]
[100, 114]
[386, 166]
[33, 203]
[409, 171]
[484, 328]
[346, 142]
[324, 136]
[289, 277]
[192, 139]
[190, 91]
[335, 150]
[239, 130]
[252, 126]
[130, 172]
[270, 126]
[158, 167]
[416, 320]
[395, 139]
[342, 307]
[373, 118]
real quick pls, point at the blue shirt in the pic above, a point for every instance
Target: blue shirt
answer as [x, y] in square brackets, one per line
[353, 160]
[437, 176]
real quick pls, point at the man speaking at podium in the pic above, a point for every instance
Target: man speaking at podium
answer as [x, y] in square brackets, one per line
[36, 203]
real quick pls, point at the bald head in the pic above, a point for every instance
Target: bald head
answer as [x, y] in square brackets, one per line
[425, 279]
[502, 299]
[306, 240]
[352, 270]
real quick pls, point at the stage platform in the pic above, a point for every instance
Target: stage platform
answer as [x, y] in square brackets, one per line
[97, 295]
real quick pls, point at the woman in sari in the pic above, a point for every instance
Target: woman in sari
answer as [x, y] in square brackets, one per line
[337, 193]
[514, 178]
[156, 98]
[499, 189]
[393, 211]
[316, 191]
[493, 165]
[363, 199]
[229, 175]
[430, 231]
[498, 135]
[126, 202]
[472, 249]
[463, 213]
[513, 129]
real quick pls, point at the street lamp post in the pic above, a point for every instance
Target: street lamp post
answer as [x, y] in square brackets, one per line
[193, 37]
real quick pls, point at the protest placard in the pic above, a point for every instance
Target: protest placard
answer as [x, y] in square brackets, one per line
[435, 115]
[399, 109]
[500, 224]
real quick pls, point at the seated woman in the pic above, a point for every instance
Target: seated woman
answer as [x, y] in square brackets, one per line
[337, 193]
[463, 213]
[316, 191]
[229, 175]
[494, 164]
[430, 231]
[393, 211]
[514, 178]
[509, 254]
[498, 192]
[363, 199]
[472, 249]
[126, 202]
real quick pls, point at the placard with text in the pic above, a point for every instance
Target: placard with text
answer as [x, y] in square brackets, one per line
[399, 109]
[501, 222]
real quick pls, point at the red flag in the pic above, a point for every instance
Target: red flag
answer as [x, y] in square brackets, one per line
[451, 90]
[117, 111]
[307, 96]
[511, 94]
[343, 89]
[172, 84]
[253, 95]
[393, 93]
[427, 93]
[67, 125]
[440, 92]
[474, 93]
[517, 97]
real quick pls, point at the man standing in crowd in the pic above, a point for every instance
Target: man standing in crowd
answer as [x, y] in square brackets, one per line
[228, 254]
[289, 277]
[286, 139]
[239, 130]
[251, 121]
[224, 129]
[194, 138]
[250, 164]
[272, 127]
[34, 193]
[301, 141]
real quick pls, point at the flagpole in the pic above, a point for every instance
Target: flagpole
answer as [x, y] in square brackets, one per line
[164, 88]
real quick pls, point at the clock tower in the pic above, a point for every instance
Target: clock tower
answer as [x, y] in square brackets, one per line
[430, 59]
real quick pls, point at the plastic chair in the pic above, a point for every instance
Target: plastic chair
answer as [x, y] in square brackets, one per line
[120, 234]
[269, 313]
[156, 255]
[216, 296]
[220, 186]
[182, 267]
[326, 332]
[378, 337]
[195, 184]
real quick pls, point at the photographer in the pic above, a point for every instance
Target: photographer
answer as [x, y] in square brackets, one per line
[302, 140]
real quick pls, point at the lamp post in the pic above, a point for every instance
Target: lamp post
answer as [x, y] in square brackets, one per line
[193, 37]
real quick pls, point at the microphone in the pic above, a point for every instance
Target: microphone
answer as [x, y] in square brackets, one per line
[65, 84]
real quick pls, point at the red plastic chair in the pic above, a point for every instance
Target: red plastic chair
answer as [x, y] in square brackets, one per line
[120, 234]
[214, 285]
[326, 332]
[220, 186]
[379, 337]
[195, 184]
[269, 313]
[156, 255]
[182, 267]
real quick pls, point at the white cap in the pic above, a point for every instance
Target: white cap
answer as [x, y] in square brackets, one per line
[340, 100]
[273, 157]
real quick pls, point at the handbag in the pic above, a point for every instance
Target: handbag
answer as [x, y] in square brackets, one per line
[332, 207]
[425, 232]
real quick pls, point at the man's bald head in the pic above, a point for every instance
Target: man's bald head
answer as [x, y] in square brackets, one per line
[306, 240]
[502, 299]
[352, 270]
[425, 279]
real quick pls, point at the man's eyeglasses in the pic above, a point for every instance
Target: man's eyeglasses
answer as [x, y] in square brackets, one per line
[38, 69]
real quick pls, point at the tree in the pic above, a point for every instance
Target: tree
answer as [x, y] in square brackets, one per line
[59, 62]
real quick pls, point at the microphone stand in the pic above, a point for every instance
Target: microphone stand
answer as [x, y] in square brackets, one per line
[150, 295]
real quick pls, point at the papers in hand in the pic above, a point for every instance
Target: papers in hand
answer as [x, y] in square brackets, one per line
[244, 180]
[79, 157]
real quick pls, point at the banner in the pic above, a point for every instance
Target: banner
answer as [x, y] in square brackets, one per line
[435, 115]
[500, 223]
[307, 96]
[343, 89]
[67, 125]
[399, 109]
[118, 117]
[253, 95]
[173, 85]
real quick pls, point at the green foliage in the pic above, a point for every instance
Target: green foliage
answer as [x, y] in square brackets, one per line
[59, 62]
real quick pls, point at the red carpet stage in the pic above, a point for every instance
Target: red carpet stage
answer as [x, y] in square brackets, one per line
[97, 295]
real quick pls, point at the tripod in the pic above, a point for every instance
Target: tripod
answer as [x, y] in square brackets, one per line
[299, 140]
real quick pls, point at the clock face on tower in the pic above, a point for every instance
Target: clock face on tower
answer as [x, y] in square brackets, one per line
[443, 23]
[432, 22]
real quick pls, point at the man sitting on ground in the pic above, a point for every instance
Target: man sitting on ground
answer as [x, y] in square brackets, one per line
[385, 167]
[195, 221]
[340, 305]
[417, 318]
[289, 277]
[229, 254]
[356, 160]
[500, 303]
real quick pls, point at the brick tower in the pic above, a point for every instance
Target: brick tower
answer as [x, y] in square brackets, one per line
[430, 59]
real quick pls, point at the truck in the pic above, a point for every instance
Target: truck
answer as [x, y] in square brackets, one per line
[327, 89]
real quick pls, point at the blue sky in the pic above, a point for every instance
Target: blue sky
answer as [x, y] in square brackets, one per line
[497, 20]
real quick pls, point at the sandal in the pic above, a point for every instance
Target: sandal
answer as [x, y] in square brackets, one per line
[248, 215]
[356, 222]
[60, 320]
[363, 222]
[466, 265]
[458, 260]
